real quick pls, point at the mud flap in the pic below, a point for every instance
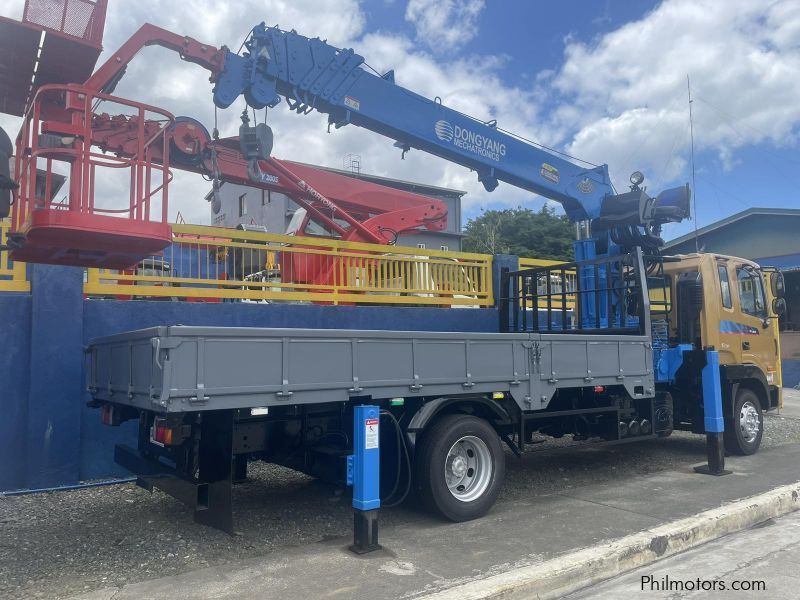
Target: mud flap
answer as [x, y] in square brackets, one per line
[216, 469]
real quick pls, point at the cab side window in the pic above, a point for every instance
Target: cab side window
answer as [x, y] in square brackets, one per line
[751, 292]
[724, 286]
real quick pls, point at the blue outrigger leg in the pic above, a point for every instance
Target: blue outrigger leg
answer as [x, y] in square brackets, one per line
[714, 419]
[363, 473]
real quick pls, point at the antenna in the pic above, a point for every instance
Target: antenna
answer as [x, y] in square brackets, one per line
[694, 187]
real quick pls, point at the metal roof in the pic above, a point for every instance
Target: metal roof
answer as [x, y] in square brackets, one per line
[750, 212]
[411, 186]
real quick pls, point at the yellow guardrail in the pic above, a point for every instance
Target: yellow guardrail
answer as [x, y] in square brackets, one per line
[12, 274]
[569, 293]
[532, 263]
[213, 264]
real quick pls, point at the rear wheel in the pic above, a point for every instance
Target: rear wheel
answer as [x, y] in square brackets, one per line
[459, 467]
[744, 430]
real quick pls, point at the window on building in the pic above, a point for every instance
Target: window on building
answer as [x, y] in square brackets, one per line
[751, 292]
[421, 245]
[242, 205]
[266, 197]
[445, 248]
[724, 286]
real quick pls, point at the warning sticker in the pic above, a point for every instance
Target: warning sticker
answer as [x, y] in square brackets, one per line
[371, 434]
[352, 103]
[550, 173]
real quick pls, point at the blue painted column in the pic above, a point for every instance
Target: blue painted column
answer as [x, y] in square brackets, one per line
[364, 474]
[714, 419]
[56, 386]
[712, 394]
[15, 352]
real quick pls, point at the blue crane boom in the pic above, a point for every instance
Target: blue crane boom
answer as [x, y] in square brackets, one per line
[311, 74]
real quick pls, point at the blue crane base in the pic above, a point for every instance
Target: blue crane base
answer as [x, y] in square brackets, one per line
[714, 419]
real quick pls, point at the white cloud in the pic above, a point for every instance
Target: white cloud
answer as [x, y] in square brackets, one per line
[619, 100]
[626, 93]
[444, 24]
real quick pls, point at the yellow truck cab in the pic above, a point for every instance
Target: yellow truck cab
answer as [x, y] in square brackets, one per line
[731, 305]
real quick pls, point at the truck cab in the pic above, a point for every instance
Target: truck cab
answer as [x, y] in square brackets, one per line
[731, 305]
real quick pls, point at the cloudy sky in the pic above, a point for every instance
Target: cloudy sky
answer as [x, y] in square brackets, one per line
[603, 80]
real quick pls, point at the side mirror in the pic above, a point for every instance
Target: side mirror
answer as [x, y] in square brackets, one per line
[778, 306]
[778, 284]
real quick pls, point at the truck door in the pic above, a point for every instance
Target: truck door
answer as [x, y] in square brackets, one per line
[752, 324]
[730, 343]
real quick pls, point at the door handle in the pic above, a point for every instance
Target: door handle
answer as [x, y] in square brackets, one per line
[745, 345]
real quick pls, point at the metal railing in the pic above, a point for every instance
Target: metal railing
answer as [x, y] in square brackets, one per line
[214, 264]
[610, 296]
[567, 282]
[12, 274]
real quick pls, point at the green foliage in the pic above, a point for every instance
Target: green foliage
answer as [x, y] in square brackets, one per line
[521, 231]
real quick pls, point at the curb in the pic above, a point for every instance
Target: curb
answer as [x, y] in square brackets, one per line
[571, 572]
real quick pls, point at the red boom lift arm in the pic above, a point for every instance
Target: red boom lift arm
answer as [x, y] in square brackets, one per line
[351, 209]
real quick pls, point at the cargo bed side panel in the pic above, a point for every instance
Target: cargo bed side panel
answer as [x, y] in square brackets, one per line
[192, 368]
[187, 369]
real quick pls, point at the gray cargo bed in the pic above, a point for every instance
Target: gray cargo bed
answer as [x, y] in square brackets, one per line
[178, 369]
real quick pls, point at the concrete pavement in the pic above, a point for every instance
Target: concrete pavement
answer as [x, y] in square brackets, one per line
[791, 404]
[431, 557]
[761, 562]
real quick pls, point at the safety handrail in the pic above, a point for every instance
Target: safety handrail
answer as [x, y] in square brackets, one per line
[215, 264]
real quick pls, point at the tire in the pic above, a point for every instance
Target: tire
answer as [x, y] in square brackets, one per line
[459, 467]
[744, 430]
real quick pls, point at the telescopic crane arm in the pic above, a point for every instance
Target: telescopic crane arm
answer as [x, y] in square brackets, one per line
[311, 74]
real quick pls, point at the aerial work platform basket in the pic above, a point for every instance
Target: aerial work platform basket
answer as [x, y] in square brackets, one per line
[114, 211]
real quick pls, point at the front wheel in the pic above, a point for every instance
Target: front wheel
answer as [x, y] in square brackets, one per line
[459, 467]
[744, 430]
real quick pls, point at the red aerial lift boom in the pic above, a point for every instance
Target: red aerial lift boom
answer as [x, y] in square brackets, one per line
[63, 123]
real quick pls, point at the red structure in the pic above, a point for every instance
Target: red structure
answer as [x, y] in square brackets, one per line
[108, 144]
[87, 229]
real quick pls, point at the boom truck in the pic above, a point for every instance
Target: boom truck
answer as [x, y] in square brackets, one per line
[641, 345]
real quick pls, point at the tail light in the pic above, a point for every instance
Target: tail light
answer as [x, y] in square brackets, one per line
[110, 415]
[163, 433]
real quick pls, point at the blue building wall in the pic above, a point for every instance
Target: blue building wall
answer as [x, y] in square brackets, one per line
[790, 372]
[15, 351]
[49, 437]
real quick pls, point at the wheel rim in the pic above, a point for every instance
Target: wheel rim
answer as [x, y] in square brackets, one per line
[468, 468]
[748, 421]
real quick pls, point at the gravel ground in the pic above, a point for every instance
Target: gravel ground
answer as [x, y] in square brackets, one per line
[62, 543]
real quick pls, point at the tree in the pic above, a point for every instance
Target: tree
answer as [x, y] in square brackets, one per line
[521, 231]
